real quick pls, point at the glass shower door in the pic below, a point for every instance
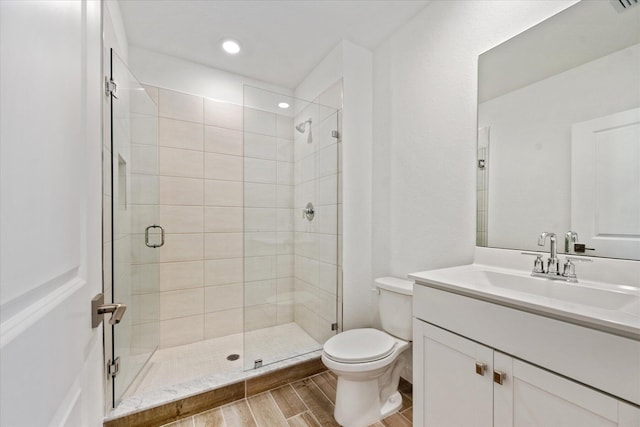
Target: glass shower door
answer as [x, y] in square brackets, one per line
[136, 233]
[291, 240]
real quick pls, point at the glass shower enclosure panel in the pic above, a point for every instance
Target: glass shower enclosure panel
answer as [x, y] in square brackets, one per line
[136, 233]
[290, 226]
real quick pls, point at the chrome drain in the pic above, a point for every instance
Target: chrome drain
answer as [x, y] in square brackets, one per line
[233, 357]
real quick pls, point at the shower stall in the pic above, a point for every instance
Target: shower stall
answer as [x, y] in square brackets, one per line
[225, 234]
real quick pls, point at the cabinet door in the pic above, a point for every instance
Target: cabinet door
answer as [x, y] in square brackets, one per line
[453, 375]
[530, 396]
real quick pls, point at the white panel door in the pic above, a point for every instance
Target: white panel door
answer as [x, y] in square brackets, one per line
[605, 184]
[530, 396]
[50, 213]
[454, 379]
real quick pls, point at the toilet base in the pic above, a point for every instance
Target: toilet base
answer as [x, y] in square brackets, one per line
[393, 404]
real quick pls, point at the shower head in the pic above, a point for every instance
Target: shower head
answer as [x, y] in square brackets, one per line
[303, 126]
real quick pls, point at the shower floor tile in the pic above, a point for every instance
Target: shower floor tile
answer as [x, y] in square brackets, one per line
[190, 362]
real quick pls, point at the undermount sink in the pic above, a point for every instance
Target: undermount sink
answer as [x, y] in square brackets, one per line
[567, 292]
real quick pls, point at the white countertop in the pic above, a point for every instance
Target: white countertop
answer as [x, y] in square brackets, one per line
[604, 313]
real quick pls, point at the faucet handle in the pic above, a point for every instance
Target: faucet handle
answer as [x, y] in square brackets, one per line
[538, 265]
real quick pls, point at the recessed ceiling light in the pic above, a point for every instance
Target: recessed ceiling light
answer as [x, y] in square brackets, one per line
[283, 105]
[231, 46]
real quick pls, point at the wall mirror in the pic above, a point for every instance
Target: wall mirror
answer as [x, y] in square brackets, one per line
[559, 134]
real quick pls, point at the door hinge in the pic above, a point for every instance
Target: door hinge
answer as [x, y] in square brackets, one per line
[110, 87]
[334, 326]
[113, 367]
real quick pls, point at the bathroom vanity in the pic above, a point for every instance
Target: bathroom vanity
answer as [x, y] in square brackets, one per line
[494, 346]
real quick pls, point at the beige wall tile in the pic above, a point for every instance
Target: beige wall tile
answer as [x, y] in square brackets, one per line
[258, 121]
[285, 150]
[222, 193]
[181, 191]
[145, 308]
[181, 275]
[143, 190]
[152, 91]
[144, 130]
[262, 171]
[182, 303]
[285, 265]
[260, 316]
[223, 297]
[144, 278]
[260, 292]
[223, 271]
[144, 159]
[260, 219]
[260, 243]
[180, 134]
[222, 114]
[259, 268]
[260, 146]
[176, 162]
[285, 127]
[223, 245]
[180, 106]
[223, 141]
[284, 313]
[181, 219]
[223, 167]
[182, 247]
[221, 323]
[184, 330]
[223, 219]
[260, 195]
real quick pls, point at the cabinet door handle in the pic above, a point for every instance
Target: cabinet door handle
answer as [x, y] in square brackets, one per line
[480, 368]
[499, 377]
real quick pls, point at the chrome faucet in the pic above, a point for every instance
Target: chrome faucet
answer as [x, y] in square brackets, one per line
[552, 263]
[552, 270]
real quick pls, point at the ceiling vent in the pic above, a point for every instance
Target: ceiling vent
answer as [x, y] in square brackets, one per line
[622, 5]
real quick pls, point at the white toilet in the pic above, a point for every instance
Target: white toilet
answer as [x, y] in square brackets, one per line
[368, 362]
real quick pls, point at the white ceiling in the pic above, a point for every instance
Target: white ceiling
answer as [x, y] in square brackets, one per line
[282, 41]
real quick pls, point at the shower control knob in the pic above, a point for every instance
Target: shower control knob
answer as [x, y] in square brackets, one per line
[308, 212]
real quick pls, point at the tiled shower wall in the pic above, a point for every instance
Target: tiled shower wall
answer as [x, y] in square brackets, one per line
[318, 243]
[206, 179]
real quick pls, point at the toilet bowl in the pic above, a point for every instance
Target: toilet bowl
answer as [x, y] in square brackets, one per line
[368, 362]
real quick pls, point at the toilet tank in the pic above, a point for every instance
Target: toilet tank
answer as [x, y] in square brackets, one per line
[395, 302]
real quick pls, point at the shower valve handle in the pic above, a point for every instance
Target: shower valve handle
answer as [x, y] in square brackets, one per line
[308, 212]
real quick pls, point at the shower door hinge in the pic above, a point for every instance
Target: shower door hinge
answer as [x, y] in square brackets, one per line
[110, 87]
[334, 326]
[335, 134]
[113, 367]
[257, 363]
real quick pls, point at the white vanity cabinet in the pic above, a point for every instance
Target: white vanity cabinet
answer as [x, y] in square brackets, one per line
[552, 372]
[459, 382]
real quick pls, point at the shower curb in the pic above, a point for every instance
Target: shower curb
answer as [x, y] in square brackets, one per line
[188, 406]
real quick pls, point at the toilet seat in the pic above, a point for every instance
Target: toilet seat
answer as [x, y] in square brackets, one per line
[360, 346]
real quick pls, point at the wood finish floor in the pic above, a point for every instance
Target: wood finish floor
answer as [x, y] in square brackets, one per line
[305, 403]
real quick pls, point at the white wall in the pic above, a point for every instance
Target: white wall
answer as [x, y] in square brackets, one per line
[177, 74]
[353, 64]
[425, 89]
[530, 148]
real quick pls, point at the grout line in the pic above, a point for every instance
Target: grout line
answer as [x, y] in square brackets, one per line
[276, 403]
[255, 420]
[319, 388]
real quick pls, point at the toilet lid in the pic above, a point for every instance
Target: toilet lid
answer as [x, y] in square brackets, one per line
[359, 345]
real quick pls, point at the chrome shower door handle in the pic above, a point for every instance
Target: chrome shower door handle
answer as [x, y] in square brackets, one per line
[146, 236]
